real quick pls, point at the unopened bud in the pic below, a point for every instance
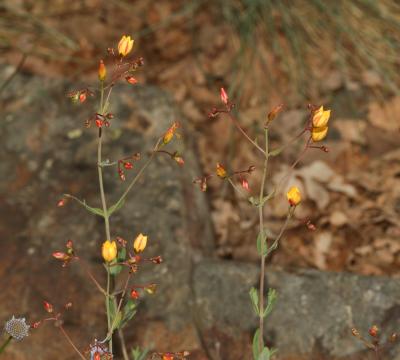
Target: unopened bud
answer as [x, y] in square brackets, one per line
[48, 307]
[61, 203]
[134, 294]
[224, 96]
[131, 80]
[221, 172]
[102, 71]
[373, 331]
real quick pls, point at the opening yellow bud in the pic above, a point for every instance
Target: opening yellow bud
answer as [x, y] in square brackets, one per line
[125, 45]
[102, 71]
[140, 243]
[109, 250]
[221, 172]
[294, 196]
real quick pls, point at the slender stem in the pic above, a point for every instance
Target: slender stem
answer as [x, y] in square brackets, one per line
[244, 133]
[108, 308]
[5, 344]
[136, 178]
[261, 229]
[105, 211]
[71, 343]
[93, 278]
[276, 241]
[102, 194]
[237, 188]
[119, 306]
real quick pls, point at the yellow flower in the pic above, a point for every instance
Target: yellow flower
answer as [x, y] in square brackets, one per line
[321, 117]
[221, 172]
[102, 71]
[320, 124]
[319, 134]
[294, 196]
[125, 45]
[140, 243]
[170, 132]
[109, 250]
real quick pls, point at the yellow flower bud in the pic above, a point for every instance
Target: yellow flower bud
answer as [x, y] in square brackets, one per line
[109, 250]
[294, 196]
[319, 134]
[102, 71]
[321, 117]
[140, 243]
[125, 45]
[221, 172]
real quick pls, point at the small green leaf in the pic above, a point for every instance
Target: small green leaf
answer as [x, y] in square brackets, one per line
[116, 321]
[128, 312]
[265, 354]
[271, 299]
[139, 355]
[118, 205]
[254, 300]
[92, 210]
[115, 269]
[262, 243]
[256, 345]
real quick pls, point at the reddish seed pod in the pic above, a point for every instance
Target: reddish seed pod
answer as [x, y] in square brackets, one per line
[373, 331]
[134, 294]
[36, 324]
[96, 356]
[245, 184]
[131, 80]
[48, 307]
[60, 255]
[61, 203]
[110, 116]
[69, 244]
[156, 260]
[99, 123]
[128, 165]
[82, 97]
[224, 96]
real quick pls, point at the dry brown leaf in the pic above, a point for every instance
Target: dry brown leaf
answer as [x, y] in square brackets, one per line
[385, 116]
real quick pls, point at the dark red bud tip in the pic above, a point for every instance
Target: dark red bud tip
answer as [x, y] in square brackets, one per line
[128, 165]
[134, 294]
[61, 203]
[82, 97]
[156, 260]
[69, 244]
[36, 324]
[60, 255]
[48, 307]
[131, 80]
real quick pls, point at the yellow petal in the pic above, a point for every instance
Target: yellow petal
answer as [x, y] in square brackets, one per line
[140, 243]
[319, 133]
[109, 250]
[294, 196]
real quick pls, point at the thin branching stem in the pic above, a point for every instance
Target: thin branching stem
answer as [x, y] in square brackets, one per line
[261, 230]
[5, 344]
[71, 342]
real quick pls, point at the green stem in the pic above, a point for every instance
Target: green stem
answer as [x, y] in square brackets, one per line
[136, 178]
[261, 229]
[105, 211]
[5, 344]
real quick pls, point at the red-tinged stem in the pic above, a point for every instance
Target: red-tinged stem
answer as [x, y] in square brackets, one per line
[236, 123]
[71, 342]
[261, 230]
[92, 278]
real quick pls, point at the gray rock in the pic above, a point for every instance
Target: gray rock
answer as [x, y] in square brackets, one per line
[314, 313]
